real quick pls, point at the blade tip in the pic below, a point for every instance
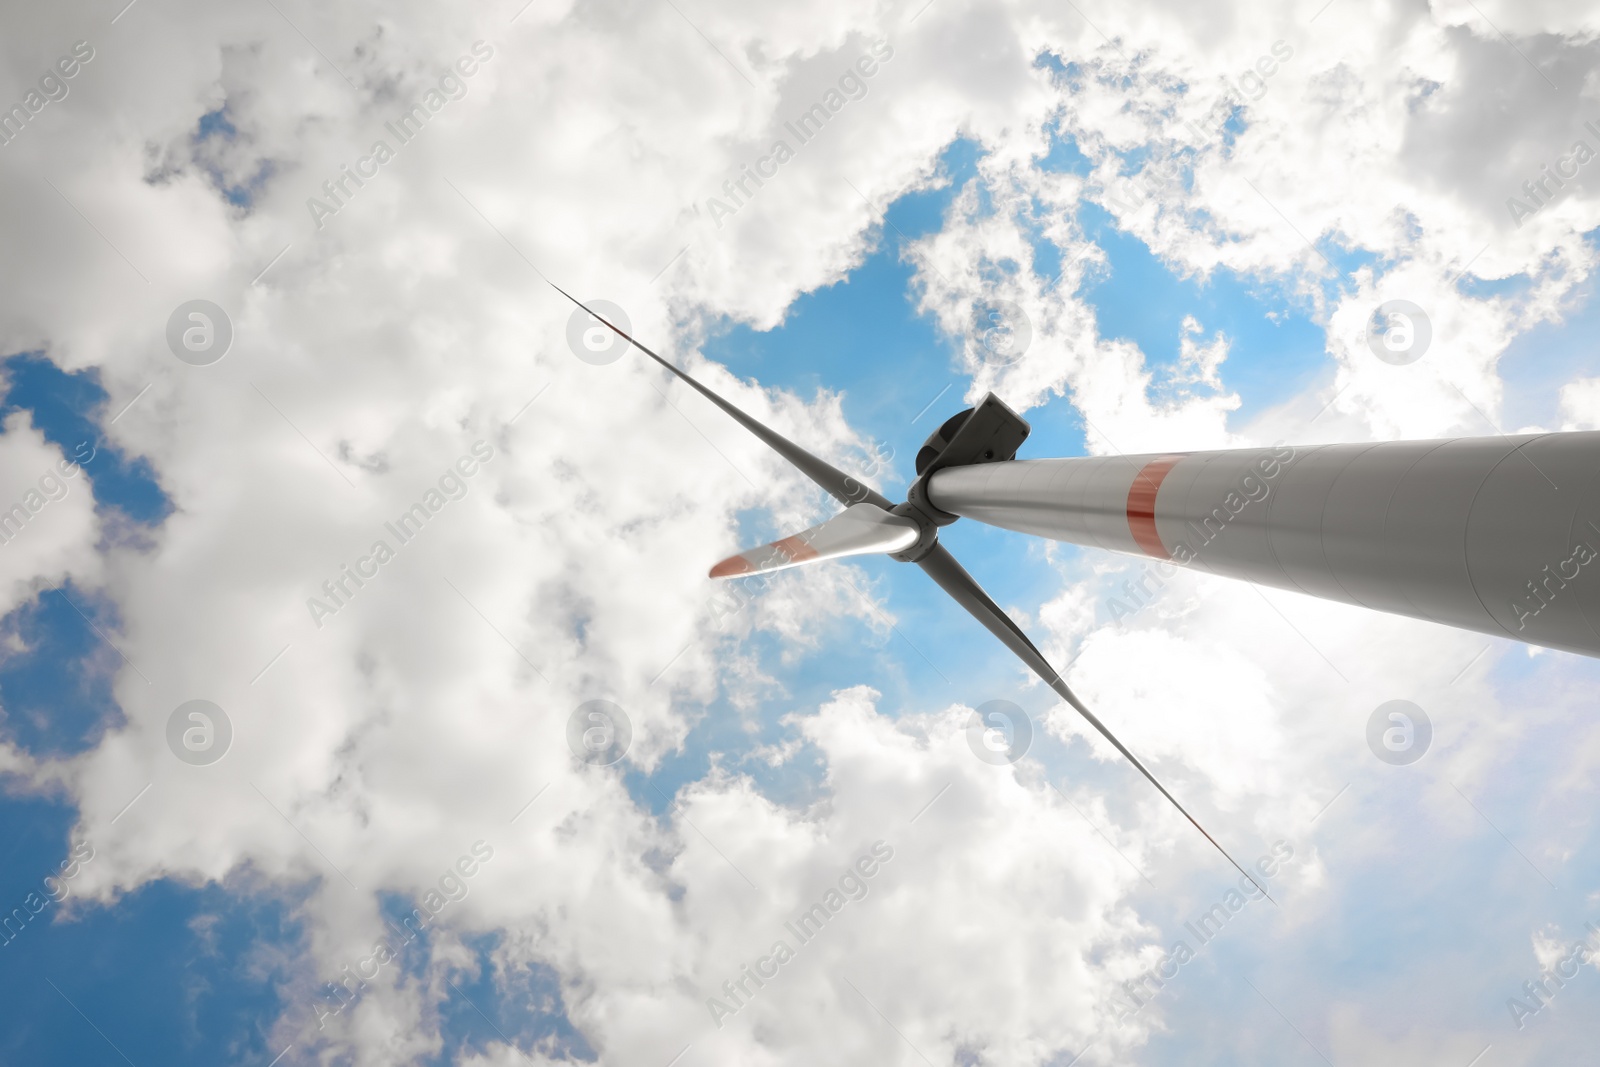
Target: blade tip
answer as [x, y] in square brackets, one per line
[731, 567]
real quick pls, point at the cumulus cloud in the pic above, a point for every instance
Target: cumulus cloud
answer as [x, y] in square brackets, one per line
[48, 526]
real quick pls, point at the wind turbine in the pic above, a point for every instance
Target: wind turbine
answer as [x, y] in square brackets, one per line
[1487, 534]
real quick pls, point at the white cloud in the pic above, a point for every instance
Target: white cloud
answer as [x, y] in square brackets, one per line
[48, 526]
[1580, 404]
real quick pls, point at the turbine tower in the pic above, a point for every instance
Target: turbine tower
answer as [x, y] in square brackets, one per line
[1492, 534]
[1486, 534]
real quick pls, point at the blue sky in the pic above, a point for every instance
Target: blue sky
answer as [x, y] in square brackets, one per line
[211, 959]
[193, 1003]
[1436, 885]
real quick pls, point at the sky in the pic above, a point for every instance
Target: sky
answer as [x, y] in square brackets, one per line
[525, 785]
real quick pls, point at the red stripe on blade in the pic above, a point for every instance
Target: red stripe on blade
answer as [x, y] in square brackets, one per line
[1142, 505]
[795, 549]
[733, 565]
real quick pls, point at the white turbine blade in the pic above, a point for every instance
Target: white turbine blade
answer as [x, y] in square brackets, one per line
[859, 530]
[953, 578]
[835, 482]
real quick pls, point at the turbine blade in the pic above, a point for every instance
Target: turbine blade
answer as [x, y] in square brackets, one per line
[835, 482]
[858, 530]
[953, 578]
